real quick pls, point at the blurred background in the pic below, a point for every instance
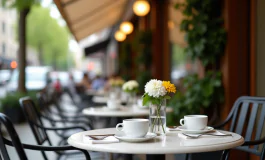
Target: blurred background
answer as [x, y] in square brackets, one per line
[212, 50]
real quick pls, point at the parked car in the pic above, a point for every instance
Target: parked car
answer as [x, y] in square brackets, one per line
[36, 78]
[4, 76]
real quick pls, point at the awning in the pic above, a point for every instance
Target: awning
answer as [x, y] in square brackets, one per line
[97, 47]
[85, 17]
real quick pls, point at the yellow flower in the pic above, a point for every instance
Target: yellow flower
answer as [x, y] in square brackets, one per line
[169, 86]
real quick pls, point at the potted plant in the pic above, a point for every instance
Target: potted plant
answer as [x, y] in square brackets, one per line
[10, 106]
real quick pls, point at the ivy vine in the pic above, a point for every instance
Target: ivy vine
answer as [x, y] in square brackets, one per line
[206, 39]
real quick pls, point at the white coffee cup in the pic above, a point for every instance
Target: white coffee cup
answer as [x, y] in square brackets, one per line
[113, 104]
[194, 122]
[134, 128]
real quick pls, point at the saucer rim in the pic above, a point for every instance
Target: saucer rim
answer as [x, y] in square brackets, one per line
[138, 139]
[207, 129]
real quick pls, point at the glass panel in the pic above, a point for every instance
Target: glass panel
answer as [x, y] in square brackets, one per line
[180, 64]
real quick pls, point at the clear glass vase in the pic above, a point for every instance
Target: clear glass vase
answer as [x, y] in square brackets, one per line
[131, 99]
[157, 118]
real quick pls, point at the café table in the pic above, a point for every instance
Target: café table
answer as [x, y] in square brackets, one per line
[124, 111]
[157, 147]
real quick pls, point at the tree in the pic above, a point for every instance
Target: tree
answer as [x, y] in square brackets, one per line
[23, 7]
[48, 37]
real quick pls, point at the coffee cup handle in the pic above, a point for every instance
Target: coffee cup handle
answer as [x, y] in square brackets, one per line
[182, 122]
[118, 127]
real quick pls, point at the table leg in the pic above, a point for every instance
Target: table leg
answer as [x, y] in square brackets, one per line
[155, 157]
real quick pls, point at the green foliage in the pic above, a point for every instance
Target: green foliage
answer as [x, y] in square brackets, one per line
[142, 46]
[152, 100]
[125, 60]
[206, 40]
[47, 37]
[11, 100]
[20, 4]
[205, 35]
[200, 93]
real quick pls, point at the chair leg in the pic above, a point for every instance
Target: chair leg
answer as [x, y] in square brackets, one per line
[187, 156]
[225, 155]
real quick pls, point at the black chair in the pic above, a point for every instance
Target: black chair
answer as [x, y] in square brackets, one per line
[55, 114]
[19, 147]
[247, 119]
[40, 131]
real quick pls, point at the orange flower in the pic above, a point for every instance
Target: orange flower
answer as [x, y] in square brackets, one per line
[169, 86]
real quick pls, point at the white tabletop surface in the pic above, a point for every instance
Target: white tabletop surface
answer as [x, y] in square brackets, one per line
[121, 112]
[100, 99]
[169, 144]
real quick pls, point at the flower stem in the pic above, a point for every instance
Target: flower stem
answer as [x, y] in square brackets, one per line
[159, 117]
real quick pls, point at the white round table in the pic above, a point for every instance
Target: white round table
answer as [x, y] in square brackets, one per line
[121, 112]
[169, 144]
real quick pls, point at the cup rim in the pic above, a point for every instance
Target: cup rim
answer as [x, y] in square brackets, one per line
[196, 116]
[136, 120]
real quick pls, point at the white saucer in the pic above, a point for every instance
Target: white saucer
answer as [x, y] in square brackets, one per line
[182, 128]
[112, 109]
[147, 137]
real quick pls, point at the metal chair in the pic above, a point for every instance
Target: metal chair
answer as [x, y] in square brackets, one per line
[39, 130]
[19, 147]
[247, 119]
[59, 115]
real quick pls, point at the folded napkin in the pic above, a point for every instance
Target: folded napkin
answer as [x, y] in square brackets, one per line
[109, 139]
[212, 134]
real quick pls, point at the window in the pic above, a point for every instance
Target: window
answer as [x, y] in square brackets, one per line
[180, 64]
[3, 49]
[3, 27]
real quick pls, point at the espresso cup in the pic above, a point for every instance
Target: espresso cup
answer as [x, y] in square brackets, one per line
[194, 122]
[113, 104]
[134, 128]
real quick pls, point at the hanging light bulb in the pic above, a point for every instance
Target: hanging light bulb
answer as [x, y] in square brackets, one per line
[120, 36]
[126, 27]
[141, 7]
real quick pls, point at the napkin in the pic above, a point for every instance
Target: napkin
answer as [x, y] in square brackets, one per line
[204, 135]
[109, 139]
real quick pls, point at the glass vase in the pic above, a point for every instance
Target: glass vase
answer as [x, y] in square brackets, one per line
[131, 99]
[157, 118]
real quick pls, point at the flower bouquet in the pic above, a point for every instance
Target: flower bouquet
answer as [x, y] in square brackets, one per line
[131, 88]
[156, 94]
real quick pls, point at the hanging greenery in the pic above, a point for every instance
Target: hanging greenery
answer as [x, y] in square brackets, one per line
[142, 47]
[203, 25]
[206, 39]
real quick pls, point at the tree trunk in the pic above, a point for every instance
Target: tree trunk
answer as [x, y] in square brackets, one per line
[22, 50]
[55, 61]
[40, 54]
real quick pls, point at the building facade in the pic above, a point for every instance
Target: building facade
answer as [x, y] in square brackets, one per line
[8, 43]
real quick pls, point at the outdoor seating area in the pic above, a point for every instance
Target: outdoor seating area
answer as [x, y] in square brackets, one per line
[132, 80]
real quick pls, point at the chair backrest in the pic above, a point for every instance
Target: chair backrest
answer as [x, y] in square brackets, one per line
[33, 116]
[247, 119]
[4, 120]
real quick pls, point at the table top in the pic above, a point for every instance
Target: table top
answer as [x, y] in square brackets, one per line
[97, 93]
[121, 112]
[171, 143]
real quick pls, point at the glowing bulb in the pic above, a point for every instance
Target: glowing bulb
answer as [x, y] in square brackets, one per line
[126, 27]
[141, 7]
[120, 36]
